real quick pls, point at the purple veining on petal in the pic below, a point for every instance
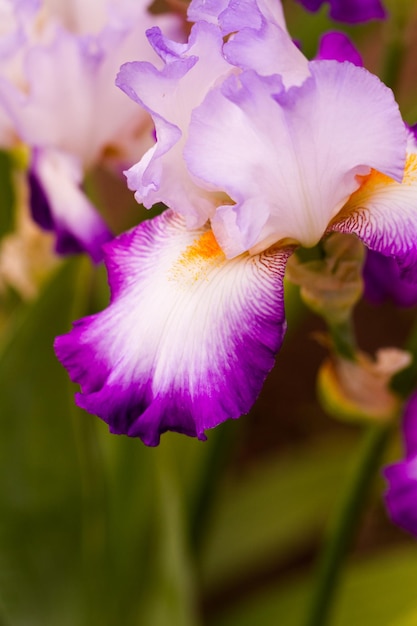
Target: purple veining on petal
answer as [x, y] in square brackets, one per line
[401, 495]
[171, 352]
[383, 281]
[350, 11]
[336, 45]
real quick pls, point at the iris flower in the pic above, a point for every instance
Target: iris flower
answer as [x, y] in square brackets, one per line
[57, 96]
[258, 152]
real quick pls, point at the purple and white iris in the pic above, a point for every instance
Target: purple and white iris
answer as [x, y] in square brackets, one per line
[401, 496]
[57, 96]
[256, 154]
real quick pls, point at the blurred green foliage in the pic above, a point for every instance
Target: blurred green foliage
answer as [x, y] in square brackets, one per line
[98, 530]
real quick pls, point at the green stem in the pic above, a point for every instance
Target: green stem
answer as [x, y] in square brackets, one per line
[396, 47]
[218, 455]
[343, 336]
[345, 523]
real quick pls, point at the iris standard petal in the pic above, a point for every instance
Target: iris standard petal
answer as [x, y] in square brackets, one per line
[170, 94]
[261, 42]
[188, 337]
[289, 159]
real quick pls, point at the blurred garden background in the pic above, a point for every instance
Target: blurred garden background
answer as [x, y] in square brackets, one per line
[98, 530]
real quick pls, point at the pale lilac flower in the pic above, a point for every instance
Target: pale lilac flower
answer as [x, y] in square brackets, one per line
[351, 11]
[271, 162]
[61, 100]
[401, 496]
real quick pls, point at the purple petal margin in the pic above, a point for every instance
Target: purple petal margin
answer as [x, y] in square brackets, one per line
[174, 351]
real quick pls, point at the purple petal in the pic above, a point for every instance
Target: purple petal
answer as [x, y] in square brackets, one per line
[57, 203]
[413, 131]
[383, 281]
[401, 496]
[337, 46]
[188, 337]
[350, 11]
[410, 427]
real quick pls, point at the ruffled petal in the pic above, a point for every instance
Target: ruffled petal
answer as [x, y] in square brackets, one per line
[58, 204]
[261, 42]
[170, 95]
[84, 114]
[188, 337]
[289, 159]
[383, 281]
[350, 11]
[383, 214]
[233, 15]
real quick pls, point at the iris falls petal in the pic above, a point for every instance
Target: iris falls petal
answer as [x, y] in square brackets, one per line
[383, 213]
[188, 337]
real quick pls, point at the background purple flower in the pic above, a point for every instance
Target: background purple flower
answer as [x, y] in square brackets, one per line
[401, 496]
[351, 11]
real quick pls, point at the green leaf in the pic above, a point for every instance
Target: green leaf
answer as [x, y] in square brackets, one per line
[39, 475]
[7, 196]
[377, 591]
[260, 517]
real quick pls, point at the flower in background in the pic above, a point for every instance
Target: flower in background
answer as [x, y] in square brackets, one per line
[383, 282]
[58, 97]
[401, 496]
[254, 159]
[351, 11]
